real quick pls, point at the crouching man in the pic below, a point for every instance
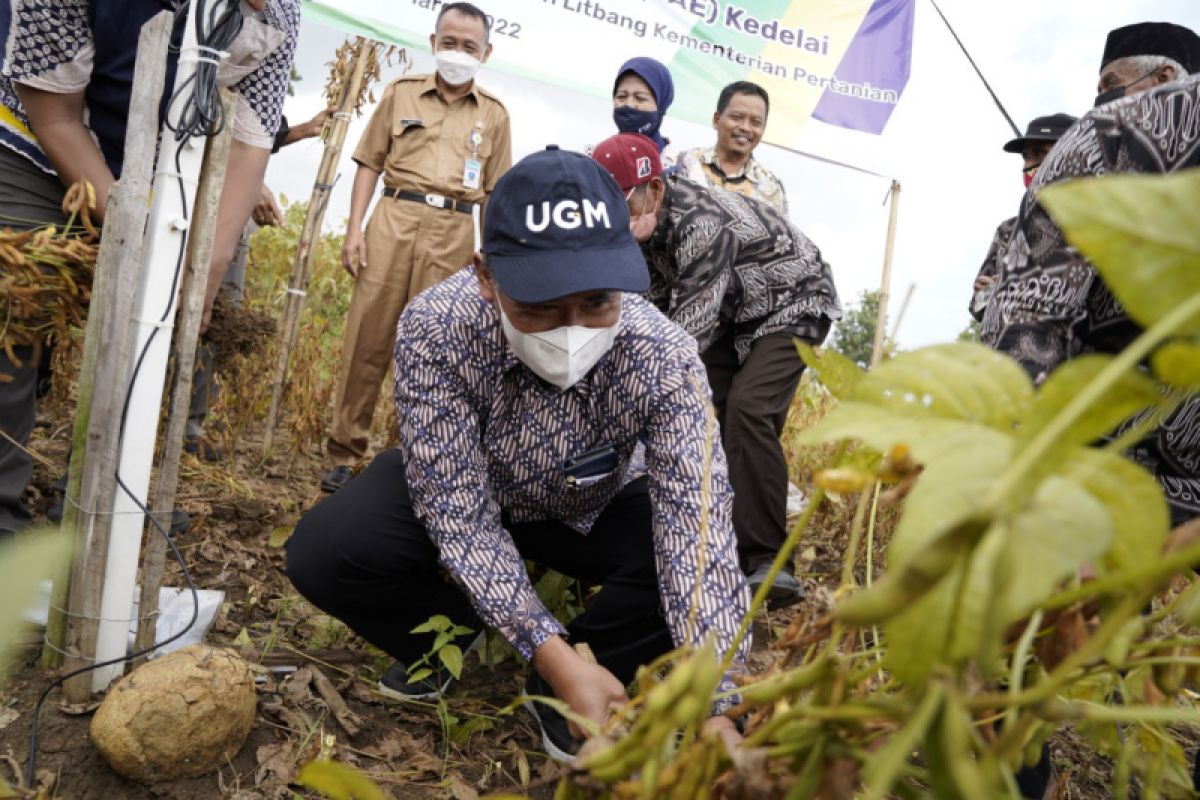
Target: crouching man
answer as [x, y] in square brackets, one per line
[546, 412]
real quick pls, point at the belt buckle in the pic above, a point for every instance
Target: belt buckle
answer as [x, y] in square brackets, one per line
[435, 200]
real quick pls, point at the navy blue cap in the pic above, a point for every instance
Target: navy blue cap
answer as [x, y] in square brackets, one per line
[557, 224]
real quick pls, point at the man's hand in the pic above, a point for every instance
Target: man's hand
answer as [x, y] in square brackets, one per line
[313, 127]
[354, 252]
[983, 280]
[723, 727]
[588, 688]
[267, 212]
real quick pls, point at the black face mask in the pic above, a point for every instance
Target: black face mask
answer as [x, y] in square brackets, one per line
[630, 120]
[1117, 92]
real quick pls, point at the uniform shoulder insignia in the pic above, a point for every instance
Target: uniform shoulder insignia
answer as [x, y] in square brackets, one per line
[490, 96]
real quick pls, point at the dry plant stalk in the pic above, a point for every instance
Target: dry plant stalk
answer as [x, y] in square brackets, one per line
[379, 55]
[47, 280]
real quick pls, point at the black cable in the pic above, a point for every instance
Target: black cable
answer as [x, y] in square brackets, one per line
[216, 28]
[201, 117]
[975, 66]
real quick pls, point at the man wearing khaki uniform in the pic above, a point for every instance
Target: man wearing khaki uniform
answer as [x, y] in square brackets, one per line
[441, 143]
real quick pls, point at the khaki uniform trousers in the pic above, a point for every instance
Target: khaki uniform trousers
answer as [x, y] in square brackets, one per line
[410, 247]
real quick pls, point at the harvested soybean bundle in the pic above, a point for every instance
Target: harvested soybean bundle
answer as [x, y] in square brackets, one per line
[46, 282]
[378, 55]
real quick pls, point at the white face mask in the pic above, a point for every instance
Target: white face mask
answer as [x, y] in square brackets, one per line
[456, 67]
[561, 356]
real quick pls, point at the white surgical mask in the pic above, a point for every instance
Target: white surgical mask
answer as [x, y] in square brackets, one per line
[642, 226]
[561, 356]
[456, 67]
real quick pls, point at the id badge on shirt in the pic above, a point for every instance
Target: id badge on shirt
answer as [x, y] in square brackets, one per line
[472, 172]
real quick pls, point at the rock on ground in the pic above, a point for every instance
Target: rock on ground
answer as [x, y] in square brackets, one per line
[178, 716]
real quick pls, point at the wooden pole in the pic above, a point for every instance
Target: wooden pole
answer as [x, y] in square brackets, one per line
[886, 281]
[187, 331]
[293, 299]
[107, 359]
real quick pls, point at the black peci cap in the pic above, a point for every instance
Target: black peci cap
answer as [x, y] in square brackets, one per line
[1041, 129]
[1154, 39]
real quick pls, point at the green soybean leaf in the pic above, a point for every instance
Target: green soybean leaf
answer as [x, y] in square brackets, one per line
[1061, 529]
[451, 655]
[1132, 498]
[24, 563]
[880, 429]
[961, 381]
[1129, 395]
[1140, 232]
[279, 536]
[839, 374]
[438, 622]
[960, 467]
[1177, 363]
[338, 781]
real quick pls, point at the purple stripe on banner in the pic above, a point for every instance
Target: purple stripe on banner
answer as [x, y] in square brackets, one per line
[874, 71]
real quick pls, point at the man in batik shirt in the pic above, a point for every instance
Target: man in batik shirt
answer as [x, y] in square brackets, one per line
[740, 122]
[1034, 146]
[734, 273]
[1156, 132]
[546, 412]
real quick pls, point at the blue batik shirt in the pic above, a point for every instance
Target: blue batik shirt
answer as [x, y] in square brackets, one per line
[482, 435]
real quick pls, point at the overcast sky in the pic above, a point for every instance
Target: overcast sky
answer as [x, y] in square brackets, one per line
[943, 143]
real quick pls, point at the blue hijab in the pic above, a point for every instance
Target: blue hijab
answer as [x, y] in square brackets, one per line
[658, 78]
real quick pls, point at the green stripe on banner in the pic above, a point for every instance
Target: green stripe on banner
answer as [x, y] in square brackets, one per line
[699, 77]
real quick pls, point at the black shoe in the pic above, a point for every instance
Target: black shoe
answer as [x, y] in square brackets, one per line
[181, 521]
[557, 740]
[336, 478]
[785, 591]
[6, 535]
[55, 512]
[398, 685]
[203, 449]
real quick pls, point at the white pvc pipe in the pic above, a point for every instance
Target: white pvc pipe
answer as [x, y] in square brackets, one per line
[166, 234]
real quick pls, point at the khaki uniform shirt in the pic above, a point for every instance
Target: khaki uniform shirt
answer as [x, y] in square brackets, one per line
[421, 144]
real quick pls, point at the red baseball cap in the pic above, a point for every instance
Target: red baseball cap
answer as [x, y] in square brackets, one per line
[630, 158]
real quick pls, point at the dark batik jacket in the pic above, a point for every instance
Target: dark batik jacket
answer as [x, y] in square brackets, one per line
[722, 263]
[1051, 305]
[991, 262]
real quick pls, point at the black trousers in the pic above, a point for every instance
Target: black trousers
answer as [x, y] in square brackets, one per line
[17, 413]
[363, 557]
[752, 402]
[29, 198]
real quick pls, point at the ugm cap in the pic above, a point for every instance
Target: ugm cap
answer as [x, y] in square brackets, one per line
[557, 224]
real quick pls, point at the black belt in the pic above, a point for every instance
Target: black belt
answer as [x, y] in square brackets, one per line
[435, 200]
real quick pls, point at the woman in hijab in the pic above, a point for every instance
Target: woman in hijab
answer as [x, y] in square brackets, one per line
[642, 94]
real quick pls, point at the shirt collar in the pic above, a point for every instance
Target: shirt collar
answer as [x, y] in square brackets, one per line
[751, 171]
[430, 85]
